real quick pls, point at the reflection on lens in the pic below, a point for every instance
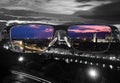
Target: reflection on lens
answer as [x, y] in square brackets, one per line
[31, 37]
[90, 37]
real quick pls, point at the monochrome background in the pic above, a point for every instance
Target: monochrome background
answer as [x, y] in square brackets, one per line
[82, 11]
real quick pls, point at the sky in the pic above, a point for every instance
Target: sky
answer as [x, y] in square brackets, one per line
[81, 10]
[88, 31]
[55, 6]
[31, 31]
[89, 28]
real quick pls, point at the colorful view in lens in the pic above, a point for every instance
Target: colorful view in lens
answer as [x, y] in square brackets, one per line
[32, 31]
[89, 28]
[31, 37]
[89, 32]
[88, 37]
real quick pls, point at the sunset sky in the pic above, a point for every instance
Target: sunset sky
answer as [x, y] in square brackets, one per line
[42, 31]
[88, 30]
[31, 31]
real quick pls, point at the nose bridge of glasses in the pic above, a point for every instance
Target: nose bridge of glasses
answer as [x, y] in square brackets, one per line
[60, 37]
[60, 34]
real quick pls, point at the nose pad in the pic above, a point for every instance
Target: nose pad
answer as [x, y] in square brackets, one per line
[60, 37]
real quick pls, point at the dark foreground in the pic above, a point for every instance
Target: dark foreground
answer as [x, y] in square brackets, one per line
[47, 69]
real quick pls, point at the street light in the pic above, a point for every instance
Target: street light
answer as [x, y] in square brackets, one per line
[21, 59]
[93, 73]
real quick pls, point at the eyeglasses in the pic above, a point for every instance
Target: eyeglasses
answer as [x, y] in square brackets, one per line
[35, 37]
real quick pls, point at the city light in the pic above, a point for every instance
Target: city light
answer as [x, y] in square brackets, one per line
[21, 59]
[6, 47]
[111, 67]
[93, 73]
[67, 60]
[103, 65]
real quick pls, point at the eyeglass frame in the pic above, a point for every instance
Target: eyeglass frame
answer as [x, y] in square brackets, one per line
[56, 28]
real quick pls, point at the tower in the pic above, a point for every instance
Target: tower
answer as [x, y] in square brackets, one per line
[94, 37]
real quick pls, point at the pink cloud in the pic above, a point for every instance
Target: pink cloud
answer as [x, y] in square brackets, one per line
[97, 28]
[81, 31]
[48, 30]
[91, 28]
[34, 26]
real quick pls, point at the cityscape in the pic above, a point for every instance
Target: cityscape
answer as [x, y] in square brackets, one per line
[85, 50]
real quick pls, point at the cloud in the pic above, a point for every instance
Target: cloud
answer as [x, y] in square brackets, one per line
[81, 31]
[48, 30]
[34, 26]
[94, 28]
[71, 6]
[55, 6]
[110, 12]
[107, 12]
[80, 10]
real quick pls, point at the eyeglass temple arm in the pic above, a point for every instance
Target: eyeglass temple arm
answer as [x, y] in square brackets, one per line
[66, 40]
[52, 42]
